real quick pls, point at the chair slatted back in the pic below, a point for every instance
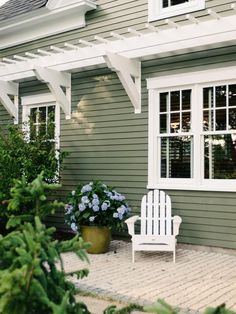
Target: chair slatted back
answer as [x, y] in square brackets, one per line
[156, 214]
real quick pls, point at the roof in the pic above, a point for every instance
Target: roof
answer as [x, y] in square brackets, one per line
[14, 8]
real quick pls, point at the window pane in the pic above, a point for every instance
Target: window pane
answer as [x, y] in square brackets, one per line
[163, 123]
[221, 96]
[33, 115]
[42, 114]
[175, 122]
[176, 157]
[208, 120]
[220, 156]
[168, 3]
[186, 121]
[221, 119]
[232, 119]
[232, 95]
[164, 102]
[186, 99]
[176, 2]
[208, 97]
[175, 101]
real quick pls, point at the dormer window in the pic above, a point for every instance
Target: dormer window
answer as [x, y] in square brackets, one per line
[166, 8]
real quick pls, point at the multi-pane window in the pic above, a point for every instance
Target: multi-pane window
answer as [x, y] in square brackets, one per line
[192, 130]
[175, 141]
[160, 9]
[219, 127]
[41, 117]
[42, 122]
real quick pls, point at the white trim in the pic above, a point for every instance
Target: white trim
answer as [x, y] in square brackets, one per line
[45, 21]
[157, 12]
[197, 81]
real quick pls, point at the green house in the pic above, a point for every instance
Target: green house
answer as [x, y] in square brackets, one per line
[144, 95]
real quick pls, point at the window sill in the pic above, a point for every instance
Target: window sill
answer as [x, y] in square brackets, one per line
[185, 187]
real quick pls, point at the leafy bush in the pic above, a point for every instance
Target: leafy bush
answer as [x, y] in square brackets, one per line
[29, 158]
[31, 280]
[31, 199]
[96, 204]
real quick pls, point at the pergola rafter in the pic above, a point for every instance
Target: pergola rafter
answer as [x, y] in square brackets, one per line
[122, 54]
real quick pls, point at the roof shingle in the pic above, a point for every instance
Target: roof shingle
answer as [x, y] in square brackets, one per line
[13, 8]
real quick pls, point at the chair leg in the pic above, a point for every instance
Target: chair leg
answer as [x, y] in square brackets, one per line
[174, 256]
[132, 255]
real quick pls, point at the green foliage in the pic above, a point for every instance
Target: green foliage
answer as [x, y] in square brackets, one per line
[125, 310]
[32, 278]
[161, 307]
[29, 158]
[31, 199]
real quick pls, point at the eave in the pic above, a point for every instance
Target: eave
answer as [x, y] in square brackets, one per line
[43, 22]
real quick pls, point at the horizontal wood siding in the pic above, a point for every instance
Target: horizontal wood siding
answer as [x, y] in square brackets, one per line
[107, 141]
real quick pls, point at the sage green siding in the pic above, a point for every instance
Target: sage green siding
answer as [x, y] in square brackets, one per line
[107, 141]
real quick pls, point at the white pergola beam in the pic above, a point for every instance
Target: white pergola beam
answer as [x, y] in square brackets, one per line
[55, 80]
[8, 89]
[126, 70]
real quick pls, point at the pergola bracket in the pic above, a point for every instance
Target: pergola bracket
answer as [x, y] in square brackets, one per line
[55, 81]
[129, 73]
[11, 104]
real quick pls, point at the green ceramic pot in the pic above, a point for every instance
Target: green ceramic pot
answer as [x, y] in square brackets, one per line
[99, 237]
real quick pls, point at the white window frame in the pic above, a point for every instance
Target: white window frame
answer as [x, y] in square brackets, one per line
[157, 12]
[196, 81]
[42, 100]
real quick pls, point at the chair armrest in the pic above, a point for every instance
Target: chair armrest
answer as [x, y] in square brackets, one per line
[176, 223]
[130, 223]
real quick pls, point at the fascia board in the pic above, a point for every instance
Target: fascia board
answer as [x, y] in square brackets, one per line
[43, 22]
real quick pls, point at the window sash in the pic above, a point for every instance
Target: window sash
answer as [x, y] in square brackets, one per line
[198, 180]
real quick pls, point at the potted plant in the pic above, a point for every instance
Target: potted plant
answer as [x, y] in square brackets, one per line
[94, 209]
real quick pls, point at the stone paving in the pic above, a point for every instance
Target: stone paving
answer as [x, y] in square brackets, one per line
[197, 280]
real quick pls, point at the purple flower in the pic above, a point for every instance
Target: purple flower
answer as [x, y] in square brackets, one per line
[73, 193]
[121, 210]
[91, 219]
[69, 208]
[86, 188]
[74, 227]
[95, 195]
[115, 215]
[95, 201]
[104, 206]
[85, 199]
[82, 207]
[95, 208]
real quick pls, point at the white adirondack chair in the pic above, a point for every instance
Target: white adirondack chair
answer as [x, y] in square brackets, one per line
[158, 228]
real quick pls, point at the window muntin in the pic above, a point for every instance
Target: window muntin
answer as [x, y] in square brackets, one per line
[219, 129]
[160, 9]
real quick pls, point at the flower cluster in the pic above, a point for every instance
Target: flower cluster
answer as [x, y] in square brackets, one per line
[96, 204]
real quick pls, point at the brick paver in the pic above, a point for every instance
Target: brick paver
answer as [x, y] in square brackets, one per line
[197, 280]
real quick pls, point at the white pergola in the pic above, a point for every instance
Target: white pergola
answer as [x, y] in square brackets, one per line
[122, 54]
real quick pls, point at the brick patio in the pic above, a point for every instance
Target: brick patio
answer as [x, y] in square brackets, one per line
[197, 280]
